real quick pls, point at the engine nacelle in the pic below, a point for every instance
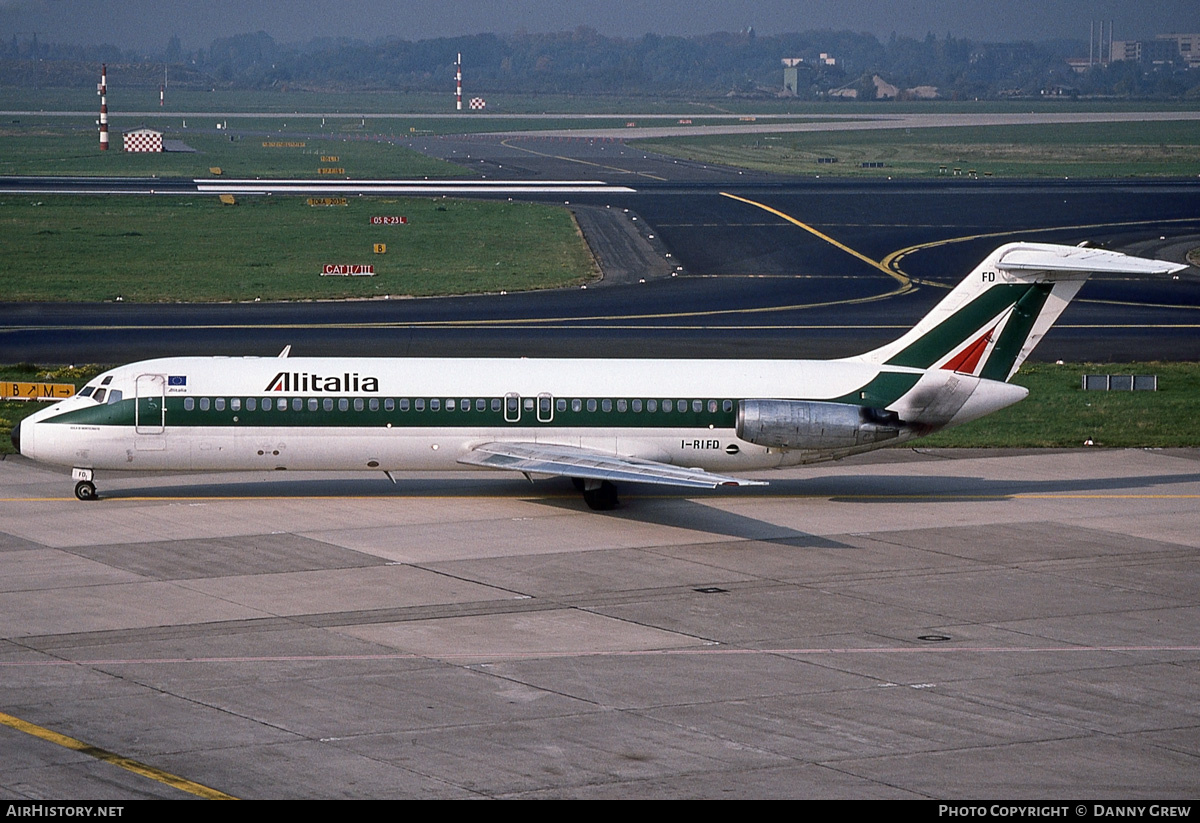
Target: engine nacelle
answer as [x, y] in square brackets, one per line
[810, 424]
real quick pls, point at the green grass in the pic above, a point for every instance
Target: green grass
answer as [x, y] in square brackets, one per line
[53, 146]
[145, 98]
[273, 248]
[1052, 150]
[1057, 413]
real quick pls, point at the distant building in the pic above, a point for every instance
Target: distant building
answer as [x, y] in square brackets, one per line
[1164, 48]
[143, 139]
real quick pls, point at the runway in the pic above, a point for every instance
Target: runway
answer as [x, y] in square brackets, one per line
[906, 625]
[795, 268]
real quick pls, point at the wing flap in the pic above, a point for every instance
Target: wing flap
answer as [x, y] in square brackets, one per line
[588, 464]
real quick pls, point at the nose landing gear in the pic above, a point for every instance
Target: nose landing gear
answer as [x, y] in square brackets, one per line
[85, 489]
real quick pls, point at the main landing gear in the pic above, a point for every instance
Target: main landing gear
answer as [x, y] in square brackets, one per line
[600, 495]
[85, 489]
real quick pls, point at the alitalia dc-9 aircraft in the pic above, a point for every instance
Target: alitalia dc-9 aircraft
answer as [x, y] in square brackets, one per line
[686, 423]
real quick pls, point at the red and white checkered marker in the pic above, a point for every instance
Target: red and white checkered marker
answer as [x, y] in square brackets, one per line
[478, 103]
[143, 141]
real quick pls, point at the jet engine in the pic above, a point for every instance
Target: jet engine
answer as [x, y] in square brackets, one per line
[808, 424]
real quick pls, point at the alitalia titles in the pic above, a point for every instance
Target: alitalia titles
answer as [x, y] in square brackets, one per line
[308, 382]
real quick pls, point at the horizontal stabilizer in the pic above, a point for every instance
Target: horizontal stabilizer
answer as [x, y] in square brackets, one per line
[586, 464]
[1045, 257]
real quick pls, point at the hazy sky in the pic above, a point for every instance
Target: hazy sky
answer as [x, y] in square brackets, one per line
[149, 23]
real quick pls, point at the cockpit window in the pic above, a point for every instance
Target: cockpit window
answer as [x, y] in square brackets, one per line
[114, 396]
[99, 395]
[86, 391]
[106, 380]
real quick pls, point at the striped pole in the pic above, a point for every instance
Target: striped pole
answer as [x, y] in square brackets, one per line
[458, 78]
[103, 107]
[162, 95]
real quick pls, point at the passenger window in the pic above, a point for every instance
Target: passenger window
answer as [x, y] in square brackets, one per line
[450, 404]
[266, 404]
[560, 405]
[606, 405]
[358, 404]
[528, 404]
[219, 404]
[189, 404]
[727, 405]
[667, 406]
[576, 405]
[251, 404]
[435, 404]
[327, 404]
[343, 404]
[204, 402]
[495, 404]
[480, 405]
[373, 404]
[235, 404]
[297, 404]
[651, 406]
[404, 404]
[591, 405]
[390, 405]
[697, 406]
[465, 404]
[637, 405]
[312, 404]
[622, 405]
[419, 404]
[712, 406]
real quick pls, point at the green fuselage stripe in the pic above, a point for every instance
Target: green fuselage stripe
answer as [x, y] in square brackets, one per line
[585, 413]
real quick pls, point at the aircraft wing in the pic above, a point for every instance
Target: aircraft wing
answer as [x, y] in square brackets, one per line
[588, 464]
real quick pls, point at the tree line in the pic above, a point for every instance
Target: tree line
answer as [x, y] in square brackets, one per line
[585, 62]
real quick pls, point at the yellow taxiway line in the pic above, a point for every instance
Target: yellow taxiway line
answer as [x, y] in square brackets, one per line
[130, 765]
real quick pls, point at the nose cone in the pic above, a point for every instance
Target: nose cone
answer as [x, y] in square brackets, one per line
[16, 437]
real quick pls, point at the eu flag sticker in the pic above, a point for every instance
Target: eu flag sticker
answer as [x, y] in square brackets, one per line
[177, 380]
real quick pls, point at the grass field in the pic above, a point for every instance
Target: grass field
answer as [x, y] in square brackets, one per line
[145, 98]
[1056, 150]
[53, 146]
[1057, 413]
[274, 248]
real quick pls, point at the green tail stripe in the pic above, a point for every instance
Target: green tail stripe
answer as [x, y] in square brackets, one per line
[951, 332]
[883, 390]
[1016, 332]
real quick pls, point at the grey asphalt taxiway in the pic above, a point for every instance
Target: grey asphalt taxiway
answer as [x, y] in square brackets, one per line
[909, 624]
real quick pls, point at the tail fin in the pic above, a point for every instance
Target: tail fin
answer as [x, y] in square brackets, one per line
[993, 319]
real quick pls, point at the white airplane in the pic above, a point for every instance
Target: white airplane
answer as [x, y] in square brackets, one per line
[687, 423]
